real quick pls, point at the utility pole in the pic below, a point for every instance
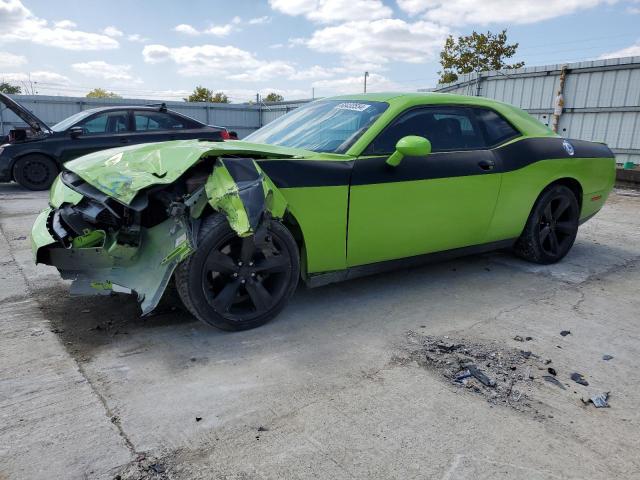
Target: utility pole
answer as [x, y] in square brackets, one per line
[313, 93]
[366, 74]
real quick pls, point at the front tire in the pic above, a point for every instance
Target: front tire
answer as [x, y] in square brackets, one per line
[551, 228]
[35, 172]
[237, 283]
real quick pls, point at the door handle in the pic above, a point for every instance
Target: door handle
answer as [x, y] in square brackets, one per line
[486, 164]
[124, 140]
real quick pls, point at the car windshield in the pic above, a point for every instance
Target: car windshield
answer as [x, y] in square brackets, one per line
[72, 120]
[321, 126]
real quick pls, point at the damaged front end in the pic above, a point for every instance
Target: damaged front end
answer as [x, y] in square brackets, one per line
[105, 245]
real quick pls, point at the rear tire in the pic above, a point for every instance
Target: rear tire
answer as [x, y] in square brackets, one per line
[234, 284]
[35, 172]
[551, 228]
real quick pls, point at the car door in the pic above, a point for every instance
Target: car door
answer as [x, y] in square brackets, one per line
[99, 131]
[439, 202]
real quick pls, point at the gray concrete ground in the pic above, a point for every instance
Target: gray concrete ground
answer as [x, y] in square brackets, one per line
[87, 387]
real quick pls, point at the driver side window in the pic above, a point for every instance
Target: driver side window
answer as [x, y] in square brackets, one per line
[107, 122]
[447, 128]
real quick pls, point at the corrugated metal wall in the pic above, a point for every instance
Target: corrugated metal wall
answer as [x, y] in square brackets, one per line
[242, 118]
[601, 99]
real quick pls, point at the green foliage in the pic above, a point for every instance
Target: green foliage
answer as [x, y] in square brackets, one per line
[478, 52]
[9, 89]
[274, 97]
[101, 93]
[202, 94]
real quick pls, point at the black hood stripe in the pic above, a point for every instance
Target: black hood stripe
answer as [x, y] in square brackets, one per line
[374, 170]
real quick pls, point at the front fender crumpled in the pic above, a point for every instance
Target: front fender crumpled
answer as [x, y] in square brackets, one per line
[240, 190]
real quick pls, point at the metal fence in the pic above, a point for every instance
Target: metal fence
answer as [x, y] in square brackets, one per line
[241, 118]
[601, 99]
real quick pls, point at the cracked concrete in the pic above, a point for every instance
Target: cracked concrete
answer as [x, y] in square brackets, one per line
[320, 380]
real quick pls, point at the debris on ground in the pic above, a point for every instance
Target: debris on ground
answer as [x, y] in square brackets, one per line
[552, 371]
[503, 376]
[554, 381]
[600, 401]
[564, 333]
[198, 419]
[578, 378]
[144, 467]
[518, 338]
[263, 429]
[607, 357]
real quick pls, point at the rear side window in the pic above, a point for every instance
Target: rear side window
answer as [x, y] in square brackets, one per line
[145, 121]
[496, 129]
[108, 122]
[447, 128]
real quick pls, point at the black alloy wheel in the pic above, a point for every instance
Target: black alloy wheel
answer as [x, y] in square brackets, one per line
[552, 226]
[238, 283]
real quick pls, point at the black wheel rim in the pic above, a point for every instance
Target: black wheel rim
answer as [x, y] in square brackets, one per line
[36, 172]
[242, 280]
[558, 225]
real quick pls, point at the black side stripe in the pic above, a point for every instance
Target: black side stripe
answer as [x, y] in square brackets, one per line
[307, 173]
[374, 170]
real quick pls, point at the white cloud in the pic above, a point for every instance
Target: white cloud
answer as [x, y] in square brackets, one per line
[186, 29]
[39, 76]
[355, 84]
[219, 61]
[380, 41]
[215, 30]
[106, 71]
[259, 20]
[332, 11]
[465, 12]
[316, 72]
[10, 60]
[136, 37]
[631, 51]
[111, 31]
[65, 24]
[18, 24]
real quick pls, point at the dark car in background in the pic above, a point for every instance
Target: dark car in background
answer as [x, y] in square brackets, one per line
[33, 156]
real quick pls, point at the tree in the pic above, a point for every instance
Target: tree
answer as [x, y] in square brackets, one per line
[9, 89]
[220, 98]
[202, 94]
[274, 97]
[101, 93]
[478, 52]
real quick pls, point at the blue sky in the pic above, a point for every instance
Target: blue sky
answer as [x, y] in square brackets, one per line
[163, 49]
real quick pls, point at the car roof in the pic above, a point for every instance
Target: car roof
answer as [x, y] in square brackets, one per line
[126, 107]
[400, 101]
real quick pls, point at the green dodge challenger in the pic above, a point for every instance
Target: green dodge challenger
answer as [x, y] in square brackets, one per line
[339, 188]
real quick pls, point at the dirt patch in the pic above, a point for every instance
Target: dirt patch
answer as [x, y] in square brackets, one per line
[501, 375]
[145, 467]
[85, 323]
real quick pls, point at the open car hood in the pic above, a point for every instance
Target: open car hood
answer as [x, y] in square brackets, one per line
[29, 118]
[122, 172]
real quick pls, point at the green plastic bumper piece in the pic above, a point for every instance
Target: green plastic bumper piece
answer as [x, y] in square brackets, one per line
[243, 202]
[60, 193]
[40, 236]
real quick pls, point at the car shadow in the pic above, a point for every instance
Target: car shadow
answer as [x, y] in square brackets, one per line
[90, 324]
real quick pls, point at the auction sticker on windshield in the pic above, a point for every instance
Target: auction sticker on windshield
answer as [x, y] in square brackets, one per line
[356, 107]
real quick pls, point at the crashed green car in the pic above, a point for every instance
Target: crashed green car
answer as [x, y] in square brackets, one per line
[338, 188]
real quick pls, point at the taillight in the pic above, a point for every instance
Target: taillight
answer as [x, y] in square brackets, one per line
[225, 135]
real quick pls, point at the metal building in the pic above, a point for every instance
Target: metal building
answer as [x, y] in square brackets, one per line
[241, 118]
[601, 99]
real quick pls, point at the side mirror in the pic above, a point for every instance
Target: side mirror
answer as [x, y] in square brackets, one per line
[75, 132]
[410, 146]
